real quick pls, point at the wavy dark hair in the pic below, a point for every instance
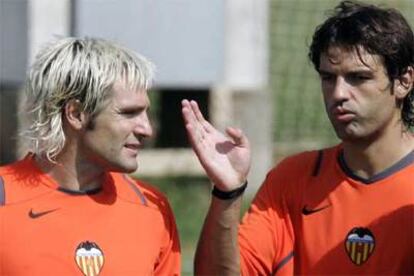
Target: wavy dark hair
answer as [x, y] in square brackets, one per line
[379, 31]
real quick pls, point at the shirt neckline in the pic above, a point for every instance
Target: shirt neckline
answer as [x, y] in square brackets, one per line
[398, 166]
[51, 183]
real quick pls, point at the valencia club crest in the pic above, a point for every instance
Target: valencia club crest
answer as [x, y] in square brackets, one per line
[359, 245]
[89, 258]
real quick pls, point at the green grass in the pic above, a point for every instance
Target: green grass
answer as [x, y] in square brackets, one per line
[189, 198]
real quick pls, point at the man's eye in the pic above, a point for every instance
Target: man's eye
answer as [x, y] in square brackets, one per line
[326, 77]
[359, 78]
[128, 113]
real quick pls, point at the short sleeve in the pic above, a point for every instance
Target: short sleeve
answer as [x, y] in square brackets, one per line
[169, 262]
[266, 233]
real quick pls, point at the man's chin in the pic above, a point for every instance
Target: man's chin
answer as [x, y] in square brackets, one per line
[346, 133]
[351, 137]
[125, 168]
[131, 169]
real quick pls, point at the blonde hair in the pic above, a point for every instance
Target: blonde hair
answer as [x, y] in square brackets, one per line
[84, 69]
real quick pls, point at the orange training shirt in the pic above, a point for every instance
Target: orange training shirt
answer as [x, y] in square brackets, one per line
[313, 216]
[124, 228]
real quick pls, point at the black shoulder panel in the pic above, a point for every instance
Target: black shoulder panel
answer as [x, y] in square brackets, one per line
[318, 163]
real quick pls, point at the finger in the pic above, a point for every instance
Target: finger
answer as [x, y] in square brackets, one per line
[196, 141]
[194, 133]
[187, 115]
[197, 111]
[185, 104]
[191, 134]
[195, 129]
[192, 114]
[237, 136]
[190, 118]
[199, 116]
[187, 111]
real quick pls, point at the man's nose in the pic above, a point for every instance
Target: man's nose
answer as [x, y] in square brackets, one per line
[143, 126]
[340, 89]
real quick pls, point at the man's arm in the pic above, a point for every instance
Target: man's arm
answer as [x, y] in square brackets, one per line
[226, 160]
[218, 251]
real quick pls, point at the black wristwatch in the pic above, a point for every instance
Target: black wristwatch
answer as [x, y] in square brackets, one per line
[229, 194]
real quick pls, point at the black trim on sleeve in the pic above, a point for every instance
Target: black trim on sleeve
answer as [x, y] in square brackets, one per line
[284, 261]
[2, 192]
[136, 190]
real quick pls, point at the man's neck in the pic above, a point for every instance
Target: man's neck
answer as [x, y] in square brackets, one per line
[72, 174]
[368, 158]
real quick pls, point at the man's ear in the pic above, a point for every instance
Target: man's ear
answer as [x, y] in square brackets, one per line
[74, 114]
[404, 84]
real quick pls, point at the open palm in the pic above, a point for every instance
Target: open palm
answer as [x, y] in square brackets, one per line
[226, 159]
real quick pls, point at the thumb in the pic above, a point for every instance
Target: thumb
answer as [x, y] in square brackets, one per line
[237, 136]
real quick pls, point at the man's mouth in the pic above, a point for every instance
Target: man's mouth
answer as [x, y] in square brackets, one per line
[133, 147]
[343, 115]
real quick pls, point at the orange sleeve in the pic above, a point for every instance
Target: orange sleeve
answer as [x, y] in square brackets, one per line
[266, 237]
[266, 233]
[169, 262]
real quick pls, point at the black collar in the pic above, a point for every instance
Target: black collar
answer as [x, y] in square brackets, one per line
[404, 162]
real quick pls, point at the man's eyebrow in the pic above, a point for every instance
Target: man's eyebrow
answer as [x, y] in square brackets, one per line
[356, 71]
[324, 72]
[134, 107]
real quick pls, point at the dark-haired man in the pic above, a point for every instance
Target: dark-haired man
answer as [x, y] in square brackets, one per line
[348, 209]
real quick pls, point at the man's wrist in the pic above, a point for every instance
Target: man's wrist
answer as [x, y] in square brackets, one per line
[225, 195]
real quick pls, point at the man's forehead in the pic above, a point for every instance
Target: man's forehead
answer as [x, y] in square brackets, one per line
[353, 56]
[124, 86]
[122, 95]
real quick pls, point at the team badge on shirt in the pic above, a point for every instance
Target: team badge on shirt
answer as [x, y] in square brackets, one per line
[89, 258]
[359, 245]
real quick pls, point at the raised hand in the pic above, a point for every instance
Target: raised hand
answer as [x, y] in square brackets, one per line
[226, 159]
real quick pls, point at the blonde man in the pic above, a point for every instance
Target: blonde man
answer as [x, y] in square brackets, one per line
[69, 208]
